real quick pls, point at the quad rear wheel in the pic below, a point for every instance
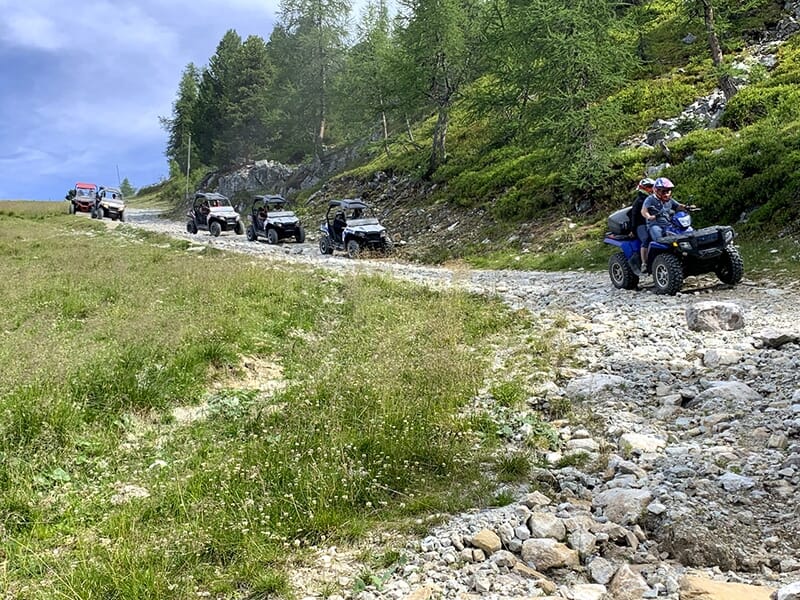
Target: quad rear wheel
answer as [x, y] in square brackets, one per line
[667, 274]
[730, 268]
[620, 272]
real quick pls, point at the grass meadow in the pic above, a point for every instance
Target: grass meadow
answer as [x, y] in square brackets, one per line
[180, 423]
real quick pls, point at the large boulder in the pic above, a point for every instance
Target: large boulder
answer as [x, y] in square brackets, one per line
[623, 506]
[700, 588]
[714, 316]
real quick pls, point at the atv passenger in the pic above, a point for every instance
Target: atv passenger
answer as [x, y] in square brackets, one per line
[638, 222]
[659, 206]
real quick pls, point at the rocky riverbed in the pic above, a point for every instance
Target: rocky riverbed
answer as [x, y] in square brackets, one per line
[689, 483]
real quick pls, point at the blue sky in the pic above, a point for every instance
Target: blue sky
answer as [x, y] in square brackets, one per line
[83, 82]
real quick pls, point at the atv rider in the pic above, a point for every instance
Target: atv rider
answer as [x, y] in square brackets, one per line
[261, 216]
[638, 222]
[659, 206]
[339, 223]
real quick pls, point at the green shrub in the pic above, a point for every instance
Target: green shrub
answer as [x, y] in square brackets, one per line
[754, 103]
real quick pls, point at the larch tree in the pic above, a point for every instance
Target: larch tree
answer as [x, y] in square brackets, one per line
[439, 45]
[315, 31]
[364, 87]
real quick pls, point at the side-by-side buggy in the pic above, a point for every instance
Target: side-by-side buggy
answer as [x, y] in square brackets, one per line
[351, 226]
[271, 219]
[213, 212]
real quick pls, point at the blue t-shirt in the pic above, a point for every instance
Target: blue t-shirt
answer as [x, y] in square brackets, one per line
[661, 210]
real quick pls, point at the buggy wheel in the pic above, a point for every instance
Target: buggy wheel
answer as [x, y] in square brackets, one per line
[667, 274]
[300, 235]
[272, 236]
[122, 217]
[730, 268]
[251, 234]
[215, 228]
[191, 226]
[353, 248]
[239, 229]
[325, 246]
[620, 272]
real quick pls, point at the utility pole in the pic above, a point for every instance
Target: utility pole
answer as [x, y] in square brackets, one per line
[188, 164]
[119, 182]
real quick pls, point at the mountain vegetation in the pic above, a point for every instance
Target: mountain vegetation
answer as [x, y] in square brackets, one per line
[521, 107]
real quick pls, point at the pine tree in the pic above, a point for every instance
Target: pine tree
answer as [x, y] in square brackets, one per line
[179, 126]
[127, 189]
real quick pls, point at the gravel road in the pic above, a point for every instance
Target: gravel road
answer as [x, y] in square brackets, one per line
[703, 425]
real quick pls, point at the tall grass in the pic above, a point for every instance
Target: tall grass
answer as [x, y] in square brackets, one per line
[110, 336]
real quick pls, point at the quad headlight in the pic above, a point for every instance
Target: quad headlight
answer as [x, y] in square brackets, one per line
[728, 236]
[685, 245]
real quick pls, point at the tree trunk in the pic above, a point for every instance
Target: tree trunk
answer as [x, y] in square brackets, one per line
[410, 134]
[725, 81]
[385, 133]
[439, 148]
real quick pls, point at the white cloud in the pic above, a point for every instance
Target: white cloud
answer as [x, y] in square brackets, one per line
[33, 31]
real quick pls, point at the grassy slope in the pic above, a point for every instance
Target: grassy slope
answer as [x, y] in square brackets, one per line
[332, 404]
[747, 166]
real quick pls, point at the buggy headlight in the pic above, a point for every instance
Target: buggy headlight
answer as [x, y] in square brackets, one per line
[685, 245]
[728, 236]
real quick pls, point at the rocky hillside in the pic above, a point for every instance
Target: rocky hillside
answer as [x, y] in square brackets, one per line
[437, 230]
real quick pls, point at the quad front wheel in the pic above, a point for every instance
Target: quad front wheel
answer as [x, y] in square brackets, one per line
[353, 248]
[272, 236]
[215, 229]
[667, 274]
[730, 268]
[620, 272]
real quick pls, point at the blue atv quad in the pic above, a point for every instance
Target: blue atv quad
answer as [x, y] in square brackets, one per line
[682, 252]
